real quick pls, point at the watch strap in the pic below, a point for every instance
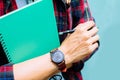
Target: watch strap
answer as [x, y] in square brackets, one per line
[62, 66]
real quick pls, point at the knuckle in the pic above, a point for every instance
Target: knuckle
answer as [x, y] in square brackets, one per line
[85, 35]
[81, 30]
[87, 43]
[89, 50]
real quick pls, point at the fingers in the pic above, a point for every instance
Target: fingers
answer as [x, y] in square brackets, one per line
[92, 32]
[93, 47]
[86, 26]
[93, 40]
[86, 30]
[93, 43]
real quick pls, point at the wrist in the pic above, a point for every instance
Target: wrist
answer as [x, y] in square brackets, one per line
[58, 58]
[68, 61]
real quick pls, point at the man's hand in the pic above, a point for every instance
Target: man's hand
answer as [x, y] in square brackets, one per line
[80, 43]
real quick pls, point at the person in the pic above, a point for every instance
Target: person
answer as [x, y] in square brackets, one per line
[75, 47]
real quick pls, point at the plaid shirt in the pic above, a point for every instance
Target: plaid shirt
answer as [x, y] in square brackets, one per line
[6, 72]
[67, 17]
[3, 4]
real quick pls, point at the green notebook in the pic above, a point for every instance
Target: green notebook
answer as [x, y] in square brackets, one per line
[29, 32]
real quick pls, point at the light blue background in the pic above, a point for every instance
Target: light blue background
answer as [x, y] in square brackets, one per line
[105, 64]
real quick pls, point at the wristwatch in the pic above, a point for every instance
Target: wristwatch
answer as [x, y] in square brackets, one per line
[57, 57]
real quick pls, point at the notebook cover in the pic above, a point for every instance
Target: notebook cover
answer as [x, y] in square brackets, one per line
[29, 32]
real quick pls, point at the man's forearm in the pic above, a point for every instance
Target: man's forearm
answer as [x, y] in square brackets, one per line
[35, 69]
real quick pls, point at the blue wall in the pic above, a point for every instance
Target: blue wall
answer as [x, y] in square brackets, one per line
[105, 64]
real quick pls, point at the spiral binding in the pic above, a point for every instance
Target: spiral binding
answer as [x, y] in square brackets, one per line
[5, 47]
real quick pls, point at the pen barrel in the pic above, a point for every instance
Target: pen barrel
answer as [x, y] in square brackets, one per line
[66, 32]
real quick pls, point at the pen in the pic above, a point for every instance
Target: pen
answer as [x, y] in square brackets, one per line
[67, 31]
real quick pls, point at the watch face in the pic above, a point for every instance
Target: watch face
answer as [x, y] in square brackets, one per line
[57, 56]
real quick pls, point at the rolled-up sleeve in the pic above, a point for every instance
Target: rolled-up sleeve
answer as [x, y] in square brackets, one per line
[6, 72]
